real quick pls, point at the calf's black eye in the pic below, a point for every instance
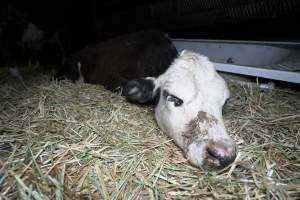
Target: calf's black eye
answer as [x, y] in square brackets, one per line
[177, 102]
[172, 98]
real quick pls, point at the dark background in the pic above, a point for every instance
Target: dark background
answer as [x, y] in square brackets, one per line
[89, 21]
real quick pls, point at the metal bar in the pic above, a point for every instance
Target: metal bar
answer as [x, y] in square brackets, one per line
[237, 42]
[293, 77]
[260, 71]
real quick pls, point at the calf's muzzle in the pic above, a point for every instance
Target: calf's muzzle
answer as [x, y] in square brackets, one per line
[219, 154]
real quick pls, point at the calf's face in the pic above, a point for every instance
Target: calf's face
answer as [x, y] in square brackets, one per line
[190, 96]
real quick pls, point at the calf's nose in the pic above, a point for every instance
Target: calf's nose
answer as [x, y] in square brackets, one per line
[221, 153]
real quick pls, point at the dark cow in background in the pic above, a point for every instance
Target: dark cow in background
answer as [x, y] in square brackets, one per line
[24, 42]
[188, 92]
[21, 43]
[113, 62]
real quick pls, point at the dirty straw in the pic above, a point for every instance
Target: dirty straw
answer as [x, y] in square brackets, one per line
[63, 140]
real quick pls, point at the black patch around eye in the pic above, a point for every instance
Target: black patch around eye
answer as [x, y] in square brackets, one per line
[172, 98]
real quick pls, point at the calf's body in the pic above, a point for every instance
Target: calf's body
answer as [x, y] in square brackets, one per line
[114, 62]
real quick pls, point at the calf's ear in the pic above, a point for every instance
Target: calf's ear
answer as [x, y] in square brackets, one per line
[141, 91]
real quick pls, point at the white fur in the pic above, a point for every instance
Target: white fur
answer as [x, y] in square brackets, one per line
[192, 78]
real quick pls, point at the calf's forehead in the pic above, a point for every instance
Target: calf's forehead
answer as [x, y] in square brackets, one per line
[192, 76]
[180, 83]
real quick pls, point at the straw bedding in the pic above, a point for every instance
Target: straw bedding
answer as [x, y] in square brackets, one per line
[63, 140]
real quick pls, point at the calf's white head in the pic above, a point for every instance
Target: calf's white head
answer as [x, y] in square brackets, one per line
[189, 97]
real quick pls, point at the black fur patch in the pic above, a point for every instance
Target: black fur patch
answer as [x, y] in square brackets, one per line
[147, 53]
[157, 96]
[140, 91]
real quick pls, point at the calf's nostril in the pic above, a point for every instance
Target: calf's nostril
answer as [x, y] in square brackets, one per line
[221, 156]
[212, 157]
[212, 152]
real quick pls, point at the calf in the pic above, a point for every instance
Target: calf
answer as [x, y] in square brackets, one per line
[190, 96]
[112, 63]
[188, 91]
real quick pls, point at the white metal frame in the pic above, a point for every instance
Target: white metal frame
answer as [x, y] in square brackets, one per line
[288, 76]
[292, 77]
